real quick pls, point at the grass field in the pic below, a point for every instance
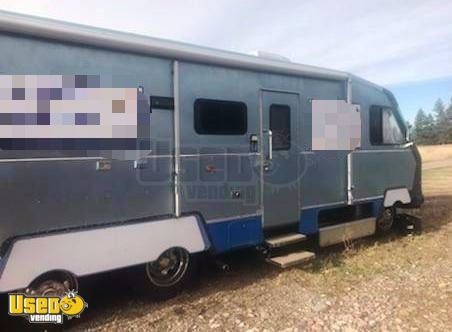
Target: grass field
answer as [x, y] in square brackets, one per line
[437, 181]
[436, 152]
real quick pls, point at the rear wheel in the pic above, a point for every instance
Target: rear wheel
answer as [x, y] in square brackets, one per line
[55, 283]
[170, 273]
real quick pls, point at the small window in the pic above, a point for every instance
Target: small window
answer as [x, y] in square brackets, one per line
[384, 127]
[219, 117]
[280, 126]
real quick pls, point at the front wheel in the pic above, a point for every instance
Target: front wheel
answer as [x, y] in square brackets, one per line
[173, 271]
[386, 220]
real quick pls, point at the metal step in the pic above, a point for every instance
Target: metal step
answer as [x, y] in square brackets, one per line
[284, 240]
[291, 259]
[346, 231]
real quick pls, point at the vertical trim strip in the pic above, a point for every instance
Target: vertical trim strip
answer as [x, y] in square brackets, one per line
[177, 211]
[349, 90]
[349, 179]
[349, 156]
[261, 151]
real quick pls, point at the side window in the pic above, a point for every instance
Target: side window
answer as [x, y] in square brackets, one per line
[280, 126]
[220, 117]
[384, 127]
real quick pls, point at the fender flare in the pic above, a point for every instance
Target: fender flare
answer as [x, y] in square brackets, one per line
[90, 251]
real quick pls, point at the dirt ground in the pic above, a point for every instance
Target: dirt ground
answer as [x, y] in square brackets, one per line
[383, 283]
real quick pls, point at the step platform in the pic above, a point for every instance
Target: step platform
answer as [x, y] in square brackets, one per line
[285, 240]
[291, 259]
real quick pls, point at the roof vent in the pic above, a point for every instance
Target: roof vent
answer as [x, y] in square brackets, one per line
[270, 56]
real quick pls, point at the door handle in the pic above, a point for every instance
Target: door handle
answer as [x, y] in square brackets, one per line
[270, 145]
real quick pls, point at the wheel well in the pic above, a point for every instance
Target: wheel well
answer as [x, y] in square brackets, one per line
[58, 275]
[397, 204]
[396, 196]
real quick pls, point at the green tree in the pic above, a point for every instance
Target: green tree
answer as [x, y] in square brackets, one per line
[419, 122]
[424, 128]
[430, 130]
[448, 135]
[441, 122]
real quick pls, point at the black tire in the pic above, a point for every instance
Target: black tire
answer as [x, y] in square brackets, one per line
[55, 283]
[385, 221]
[159, 289]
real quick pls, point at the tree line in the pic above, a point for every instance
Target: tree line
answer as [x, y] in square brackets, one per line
[433, 127]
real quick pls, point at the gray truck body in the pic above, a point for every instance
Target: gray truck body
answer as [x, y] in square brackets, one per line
[226, 187]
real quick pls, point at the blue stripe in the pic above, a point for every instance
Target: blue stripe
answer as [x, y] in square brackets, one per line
[236, 233]
[309, 219]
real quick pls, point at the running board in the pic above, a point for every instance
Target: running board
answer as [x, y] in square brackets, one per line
[285, 240]
[347, 231]
[291, 259]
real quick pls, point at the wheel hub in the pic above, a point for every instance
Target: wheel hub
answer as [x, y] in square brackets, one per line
[169, 268]
[53, 284]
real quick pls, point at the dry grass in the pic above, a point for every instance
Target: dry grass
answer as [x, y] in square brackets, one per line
[437, 181]
[388, 255]
[435, 152]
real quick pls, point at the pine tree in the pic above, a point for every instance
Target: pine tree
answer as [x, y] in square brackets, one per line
[419, 123]
[424, 128]
[436, 128]
[430, 130]
[448, 136]
[441, 122]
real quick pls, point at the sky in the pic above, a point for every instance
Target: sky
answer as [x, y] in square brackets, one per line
[404, 45]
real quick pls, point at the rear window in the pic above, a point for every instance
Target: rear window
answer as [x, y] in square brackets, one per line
[220, 117]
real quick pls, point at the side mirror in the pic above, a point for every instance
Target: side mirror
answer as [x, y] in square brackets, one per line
[409, 133]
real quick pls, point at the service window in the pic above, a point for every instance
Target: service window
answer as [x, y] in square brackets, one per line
[384, 127]
[280, 126]
[220, 117]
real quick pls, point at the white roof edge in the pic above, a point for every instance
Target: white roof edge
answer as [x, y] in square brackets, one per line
[71, 32]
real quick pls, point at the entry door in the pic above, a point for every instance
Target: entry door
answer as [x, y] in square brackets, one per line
[281, 146]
